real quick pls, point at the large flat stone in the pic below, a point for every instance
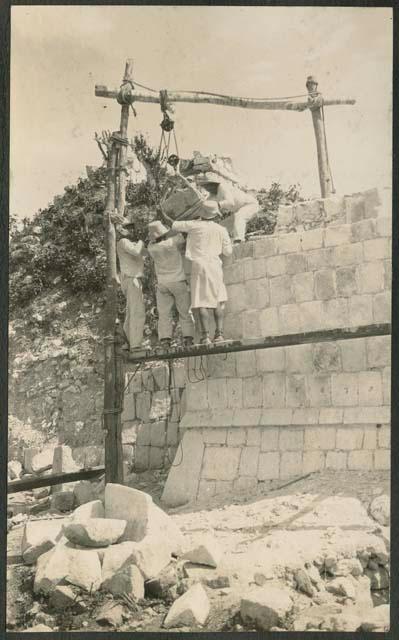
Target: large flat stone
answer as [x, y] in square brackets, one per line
[182, 483]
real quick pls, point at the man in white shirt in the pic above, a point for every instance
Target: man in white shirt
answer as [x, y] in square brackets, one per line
[131, 263]
[172, 287]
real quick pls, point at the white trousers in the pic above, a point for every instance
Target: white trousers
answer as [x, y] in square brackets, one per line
[236, 223]
[168, 295]
[135, 310]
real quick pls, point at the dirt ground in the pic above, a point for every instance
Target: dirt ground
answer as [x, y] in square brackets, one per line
[246, 527]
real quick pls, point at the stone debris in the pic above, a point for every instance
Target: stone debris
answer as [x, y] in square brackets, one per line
[128, 580]
[191, 609]
[111, 614]
[14, 470]
[348, 566]
[41, 492]
[207, 552]
[303, 582]
[266, 606]
[95, 532]
[377, 619]
[39, 537]
[379, 579]
[150, 556]
[209, 576]
[62, 564]
[380, 510]
[42, 461]
[342, 587]
[161, 586]
[93, 509]
[63, 597]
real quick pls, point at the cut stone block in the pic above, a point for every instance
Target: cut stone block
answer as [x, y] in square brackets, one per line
[93, 509]
[150, 556]
[60, 564]
[192, 608]
[266, 606]
[39, 537]
[42, 461]
[128, 580]
[95, 532]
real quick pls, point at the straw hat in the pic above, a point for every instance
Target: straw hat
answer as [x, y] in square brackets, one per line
[209, 178]
[209, 209]
[156, 229]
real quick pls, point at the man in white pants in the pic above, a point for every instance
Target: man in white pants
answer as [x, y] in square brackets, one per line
[131, 263]
[232, 200]
[172, 287]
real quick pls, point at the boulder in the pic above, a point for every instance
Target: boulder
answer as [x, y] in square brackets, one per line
[93, 509]
[62, 564]
[342, 587]
[206, 552]
[128, 580]
[39, 537]
[63, 500]
[14, 469]
[29, 454]
[364, 600]
[51, 569]
[42, 461]
[191, 609]
[348, 566]
[303, 582]
[95, 532]
[41, 492]
[63, 597]
[266, 606]
[209, 576]
[143, 516]
[380, 510]
[150, 556]
[111, 614]
[163, 583]
[84, 492]
[377, 619]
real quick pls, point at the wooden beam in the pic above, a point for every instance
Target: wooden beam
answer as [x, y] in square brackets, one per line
[16, 486]
[102, 91]
[315, 106]
[327, 335]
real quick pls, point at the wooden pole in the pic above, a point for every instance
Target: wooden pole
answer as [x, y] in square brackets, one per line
[315, 104]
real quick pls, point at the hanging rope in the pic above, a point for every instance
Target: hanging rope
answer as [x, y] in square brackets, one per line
[168, 128]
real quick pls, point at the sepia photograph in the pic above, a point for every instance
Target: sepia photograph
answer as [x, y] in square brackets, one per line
[199, 319]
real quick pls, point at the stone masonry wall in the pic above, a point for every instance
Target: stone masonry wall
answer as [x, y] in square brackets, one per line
[273, 414]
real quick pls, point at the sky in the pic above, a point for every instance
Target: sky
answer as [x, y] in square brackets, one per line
[59, 53]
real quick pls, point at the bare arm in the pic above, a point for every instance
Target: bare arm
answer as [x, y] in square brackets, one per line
[132, 248]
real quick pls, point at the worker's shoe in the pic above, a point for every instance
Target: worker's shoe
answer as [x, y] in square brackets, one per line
[188, 341]
[219, 337]
[205, 340]
[166, 344]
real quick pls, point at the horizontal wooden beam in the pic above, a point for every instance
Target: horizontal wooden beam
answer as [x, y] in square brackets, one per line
[57, 478]
[102, 91]
[327, 335]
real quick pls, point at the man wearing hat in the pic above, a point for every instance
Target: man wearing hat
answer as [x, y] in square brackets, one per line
[232, 200]
[206, 242]
[131, 264]
[172, 287]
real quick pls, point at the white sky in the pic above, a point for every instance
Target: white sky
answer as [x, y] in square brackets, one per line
[58, 54]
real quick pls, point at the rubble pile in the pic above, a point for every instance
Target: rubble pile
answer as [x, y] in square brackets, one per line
[126, 564]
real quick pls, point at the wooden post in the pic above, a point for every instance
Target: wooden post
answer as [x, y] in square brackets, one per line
[318, 125]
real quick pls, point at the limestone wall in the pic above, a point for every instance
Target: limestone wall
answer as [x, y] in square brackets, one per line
[274, 414]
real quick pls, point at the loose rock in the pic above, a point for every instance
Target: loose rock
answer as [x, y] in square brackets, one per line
[62, 564]
[42, 461]
[14, 469]
[380, 510]
[207, 552]
[84, 492]
[128, 580]
[192, 608]
[303, 582]
[93, 509]
[265, 607]
[95, 532]
[377, 619]
[378, 579]
[37, 628]
[63, 597]
[38, 538]
[161, 585]
[63, 501]
[342, 587]
[150, 556]
[111, 614]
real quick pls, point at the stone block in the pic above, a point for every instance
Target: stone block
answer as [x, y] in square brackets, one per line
[269, 322]
[256, 295]
[288, 243]
[377, 249]
[254, 269]
[276, 416]
[245, 484]
[360, 310]
[350, 438]
[246, 417]
[291, 464]
[265, 608]
[144, 434]
[295, 392]
[236, 297]
[365, 415]
[320, 259]
[141, 458]
[222, 365]
[353, 354]
[270, 439]
[348, 254]
[275, 266]
[246, 363]
[313, 461]
[290, 319]
[335, 313]
[354, 208]
[296, 263]
[360, 460]
[160, 374]
[370, 437]
[311, 315]
[223, 487]
[214, 436]
[371, 277]
[158, 434]
[157, 456]
[178, 375]
[363, 230]
[382, 311]
[249, 461]
[331, 415]
[382, 459]
[346, 281]
[387, 274]
[336, 460]
[386, 385]
[63, 461]
[252, 392]
[133, 381]
[160, 405]
[280, 291]
[233, 273]
[326, 357]
[172, 434]
[253, 437]
[319, 390]
[312, 239]
[333, 208]
[143, 405]
[274, 390]
[336, 236]
[320, 438]
[236, 436]
[129, 407]
[345, 389]
[243, 250]
[291, 440]
[299, 358]
[206, 489]
[268, 360]
[325, 287]
[269, 466]
[221, 418]
[197, 395]
[370, 388]
[305, 416]
[303, 286]
[264, 248]
[379, 351]
[147, 379]
[233, 326]
[221, 463]
[234, 388]
[182, 483]
[285, 216]
[217, 393]
[384, 437]
[251, 325]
